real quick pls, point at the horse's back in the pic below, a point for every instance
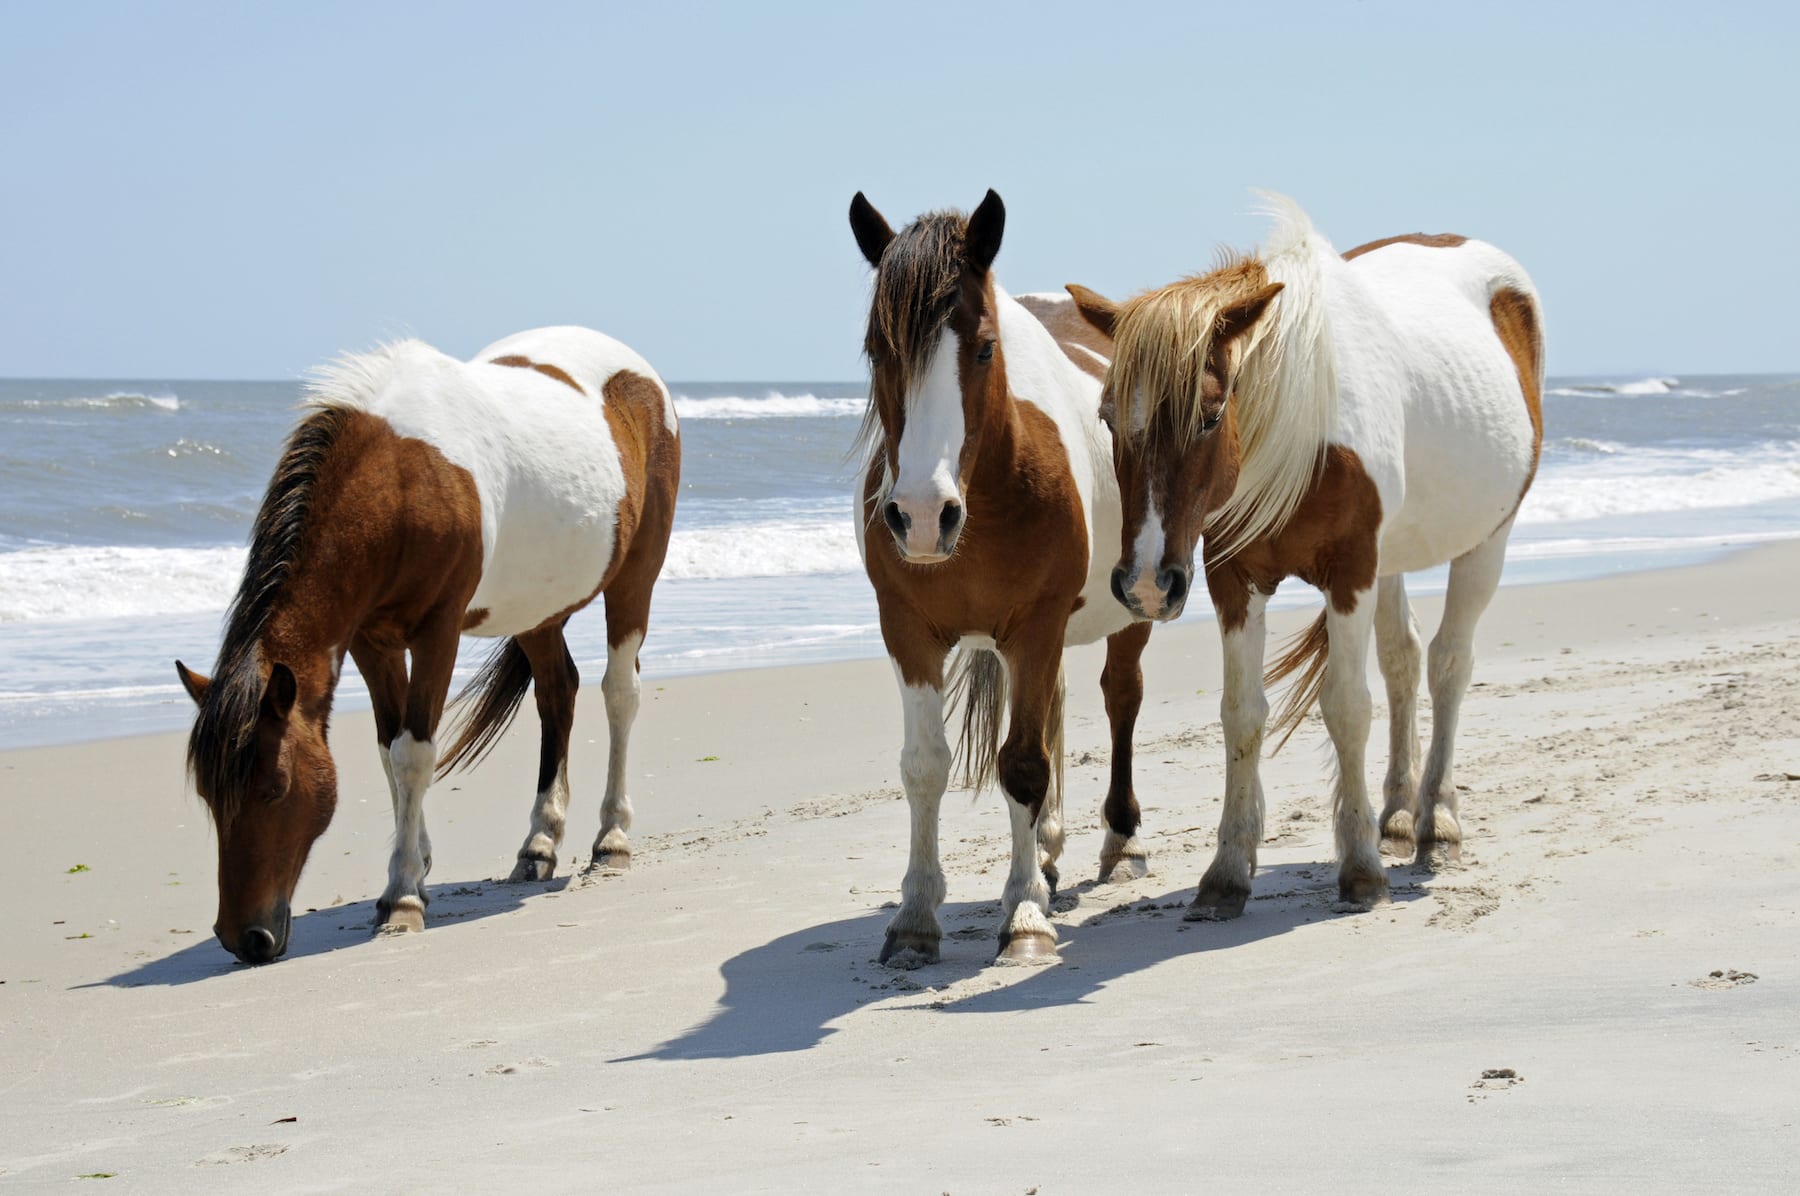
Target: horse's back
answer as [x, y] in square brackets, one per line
[527, 419]
[1445, 347]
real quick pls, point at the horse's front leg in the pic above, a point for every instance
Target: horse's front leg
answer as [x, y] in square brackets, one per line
[1122, 857]
[1243, 714]
[1034, 658]
[914, 934]
[1344, 701]
[412, 755]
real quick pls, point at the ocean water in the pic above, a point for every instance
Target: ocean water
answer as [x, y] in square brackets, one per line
[124, 506]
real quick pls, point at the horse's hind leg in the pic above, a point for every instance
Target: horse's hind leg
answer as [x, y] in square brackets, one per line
[1050, 820]
[412, 755]
[1473, 579]
[1122, 857]
[627, 617]
[1397, 648]
[554, 681]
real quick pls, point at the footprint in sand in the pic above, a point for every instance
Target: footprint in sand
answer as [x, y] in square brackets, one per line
[1723, 978]
[241, 1154]
[512, 1069]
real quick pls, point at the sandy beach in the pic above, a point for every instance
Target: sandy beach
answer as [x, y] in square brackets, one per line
[1604, 992]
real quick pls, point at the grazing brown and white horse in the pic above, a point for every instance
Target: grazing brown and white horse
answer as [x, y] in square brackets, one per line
[1345, 420]
[420, 498]
[987, 485]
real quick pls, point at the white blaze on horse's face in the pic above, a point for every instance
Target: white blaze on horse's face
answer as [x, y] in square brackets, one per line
[924, 510]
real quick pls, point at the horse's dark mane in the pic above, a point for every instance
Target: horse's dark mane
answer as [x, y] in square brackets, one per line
[221, 752]
[916, 289]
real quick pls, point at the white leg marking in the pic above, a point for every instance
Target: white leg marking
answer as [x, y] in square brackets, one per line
[1243, 713]
[1025, 903]
[1397, 648]
[620, 688]
[1473, 578]
[410, 762]
[1344, 701]
[925, 771]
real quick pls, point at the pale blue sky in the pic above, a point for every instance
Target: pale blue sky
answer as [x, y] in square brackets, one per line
[232, 191]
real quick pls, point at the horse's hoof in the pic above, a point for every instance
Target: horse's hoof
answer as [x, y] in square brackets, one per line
[1363, 890]
[907, 951]
[1216, 904]
[1028, 949]
[610, 861]
[407, 917]
[1433, 852]
[1124, 868]
[531, 867]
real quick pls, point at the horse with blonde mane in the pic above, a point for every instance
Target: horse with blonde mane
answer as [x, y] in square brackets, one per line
[422, 497]
[1347, 420]
[987, 499]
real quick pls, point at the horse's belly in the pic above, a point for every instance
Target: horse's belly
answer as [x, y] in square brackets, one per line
[550, 543]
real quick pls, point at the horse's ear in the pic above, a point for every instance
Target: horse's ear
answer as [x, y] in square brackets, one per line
[282, 690]
[1094, 307]
[982, 241]
[196, 684]
[872, 232]
[1242, 316]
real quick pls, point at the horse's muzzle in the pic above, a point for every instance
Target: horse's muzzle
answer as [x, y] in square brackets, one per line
[263, 941]
[1161, 597]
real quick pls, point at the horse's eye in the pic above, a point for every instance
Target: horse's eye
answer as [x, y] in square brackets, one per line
[1212, 421]
[986, 354]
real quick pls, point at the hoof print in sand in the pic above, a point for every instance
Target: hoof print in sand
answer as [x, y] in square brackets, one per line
[1494, 1079]
[1722, 978]
[242, 1154]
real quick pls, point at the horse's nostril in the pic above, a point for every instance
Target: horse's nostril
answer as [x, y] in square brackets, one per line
[256, 945]
[1175, 586]
[1118, 587]
[897, 522]
[949, 518]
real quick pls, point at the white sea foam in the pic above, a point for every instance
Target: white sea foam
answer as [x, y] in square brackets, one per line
[110, 582]
[118, 400]
[1643, 386]
[1651, 481]
[779, 548]
[771, 406]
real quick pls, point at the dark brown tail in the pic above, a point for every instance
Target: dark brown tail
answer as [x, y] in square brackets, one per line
[1305, 655]
[978, 684]
[487, 706]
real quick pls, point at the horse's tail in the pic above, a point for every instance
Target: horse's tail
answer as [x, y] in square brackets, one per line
[1305, 654]
[978, 685]
[487, 706]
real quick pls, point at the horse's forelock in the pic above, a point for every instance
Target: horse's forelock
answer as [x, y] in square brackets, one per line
[917, 287]
[221, 754]
[1160, 347]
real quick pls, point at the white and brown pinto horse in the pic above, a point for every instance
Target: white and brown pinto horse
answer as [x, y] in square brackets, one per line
[423, 497]
[987, 488]
[1345, 420]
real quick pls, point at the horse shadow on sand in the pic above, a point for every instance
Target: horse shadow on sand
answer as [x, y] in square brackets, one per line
[334, 928]
[784, 995]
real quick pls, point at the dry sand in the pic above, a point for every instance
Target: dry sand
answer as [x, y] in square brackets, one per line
[1603, 993]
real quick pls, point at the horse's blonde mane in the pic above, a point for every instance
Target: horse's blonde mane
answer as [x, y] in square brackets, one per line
[1284, 396]
[355, 380]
